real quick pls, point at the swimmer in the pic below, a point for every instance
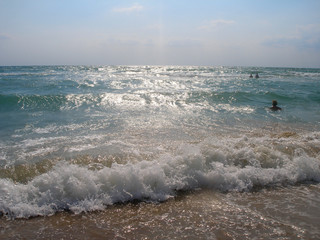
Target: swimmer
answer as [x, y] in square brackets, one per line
[274, 106]
[257, 75]
[251, 76]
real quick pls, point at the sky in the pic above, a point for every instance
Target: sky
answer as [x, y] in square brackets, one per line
[268, 33]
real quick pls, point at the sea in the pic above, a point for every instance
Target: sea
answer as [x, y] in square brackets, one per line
[159, 152]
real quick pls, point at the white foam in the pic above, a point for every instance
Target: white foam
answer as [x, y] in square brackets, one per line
[47, 129]
[237, 164]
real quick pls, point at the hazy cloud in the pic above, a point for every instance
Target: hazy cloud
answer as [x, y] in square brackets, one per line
[157, 26]
[297, 42]
[184, 43]
[314, 28]
[5, 36]
[133, 8]
[216, 23]
[306, 36]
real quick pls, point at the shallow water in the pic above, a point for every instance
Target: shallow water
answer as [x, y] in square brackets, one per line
[282, 213]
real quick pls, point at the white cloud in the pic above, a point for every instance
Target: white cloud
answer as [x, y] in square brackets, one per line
[133, 8]
[216, 23]
[305, 37]
[314, 28]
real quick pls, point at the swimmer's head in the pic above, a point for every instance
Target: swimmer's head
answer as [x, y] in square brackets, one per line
[274, 103]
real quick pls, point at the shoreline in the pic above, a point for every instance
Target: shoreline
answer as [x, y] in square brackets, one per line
[202, 214]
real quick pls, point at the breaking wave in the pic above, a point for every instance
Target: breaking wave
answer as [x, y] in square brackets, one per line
[222, 164]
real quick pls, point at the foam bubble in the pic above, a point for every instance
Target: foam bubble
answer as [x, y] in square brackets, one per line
[234, 164]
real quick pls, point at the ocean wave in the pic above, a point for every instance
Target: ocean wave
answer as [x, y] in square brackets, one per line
[139, 100]
[50, 102]
[31, 102]
[221, 164]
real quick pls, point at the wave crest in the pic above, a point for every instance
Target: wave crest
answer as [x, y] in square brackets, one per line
[239, 164]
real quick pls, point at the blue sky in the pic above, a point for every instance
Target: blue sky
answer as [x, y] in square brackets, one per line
[284, 33]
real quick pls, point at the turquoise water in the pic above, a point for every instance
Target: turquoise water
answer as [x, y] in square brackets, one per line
[81, 138]
[65, 103]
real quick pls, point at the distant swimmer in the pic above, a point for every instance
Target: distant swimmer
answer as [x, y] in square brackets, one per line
[257, 75]
[274, 106]
[251, 75]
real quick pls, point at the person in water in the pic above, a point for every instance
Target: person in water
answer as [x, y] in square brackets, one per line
[251, 75]
[257, 75]
[274, 106]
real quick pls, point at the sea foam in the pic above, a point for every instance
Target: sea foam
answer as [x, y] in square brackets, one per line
[234, 164]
